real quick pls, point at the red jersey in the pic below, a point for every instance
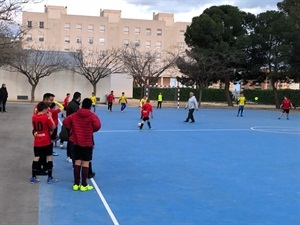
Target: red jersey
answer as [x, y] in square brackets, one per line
[66, 102]
[110, 98]
[54, 115]
[146, 109]
[42, 125]
[286, 104]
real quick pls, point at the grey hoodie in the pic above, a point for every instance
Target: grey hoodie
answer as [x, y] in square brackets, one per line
[192, 103]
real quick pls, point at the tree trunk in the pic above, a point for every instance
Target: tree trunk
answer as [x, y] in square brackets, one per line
[200, 96]
[94, 88]
[33, 87]
[227, 92]
[276, 98]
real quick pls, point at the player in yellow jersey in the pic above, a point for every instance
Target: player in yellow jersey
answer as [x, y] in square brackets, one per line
[123, 101]
[241, 101]
[94, 101]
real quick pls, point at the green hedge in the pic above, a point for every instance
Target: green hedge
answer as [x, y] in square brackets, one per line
[267, 96]
[218, 95]
[170, 94]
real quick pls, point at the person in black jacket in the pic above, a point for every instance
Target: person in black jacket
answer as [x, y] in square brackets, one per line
[3, 98]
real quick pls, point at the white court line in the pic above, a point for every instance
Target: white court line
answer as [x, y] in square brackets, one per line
[182, 130]
[112, 216]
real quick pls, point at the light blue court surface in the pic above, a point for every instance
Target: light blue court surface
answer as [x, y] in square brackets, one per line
[221, 170]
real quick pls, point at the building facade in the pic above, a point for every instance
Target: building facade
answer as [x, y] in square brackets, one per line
[55, 29]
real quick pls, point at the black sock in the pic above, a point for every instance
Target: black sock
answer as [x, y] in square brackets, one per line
[35, 167]
[90, 168]
[77, 174]
[149, 124]
[142, 124]
[50, 166]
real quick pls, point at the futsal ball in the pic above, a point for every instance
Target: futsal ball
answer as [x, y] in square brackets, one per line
[139, 124]
[256, 98]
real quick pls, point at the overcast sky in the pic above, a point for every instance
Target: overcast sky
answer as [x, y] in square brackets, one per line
[184, 10]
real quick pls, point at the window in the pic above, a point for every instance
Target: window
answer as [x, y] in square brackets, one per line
[148, 44]
[126, 42]
[67, 26]
[158, 44]
[91, 40]
[102, 28]
[79, 27]
[137, 30]
[67, 49]
[78, 40]
[159, 32]
[102, 53]
[137, 43]
[29, 37]
[91, 28]
[41, 25]
[101, 41]
[67, 39]
[181, 33]
[181, 45]
[29, 23]
[126, 30]
[41, 38]
[158, 56]
[148, 31]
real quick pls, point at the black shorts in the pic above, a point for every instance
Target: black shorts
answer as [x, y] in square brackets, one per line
[83, 153]
[54, 135]
[145, 118]
[285, 110]
[43, 150]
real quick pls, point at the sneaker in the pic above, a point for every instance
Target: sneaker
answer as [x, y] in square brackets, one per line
[62, 146]
[279, 118]
[76, 187]
[51, 180]
[86, 188]
[54, 153]
[287, 118]
[192, 122]
[91, 175]
[68, 159]
[34, 180]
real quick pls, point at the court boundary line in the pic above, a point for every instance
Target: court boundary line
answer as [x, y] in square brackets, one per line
[109, 211]
[175, 130]
[101, 196]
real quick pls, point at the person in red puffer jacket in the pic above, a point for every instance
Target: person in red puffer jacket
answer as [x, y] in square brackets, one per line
[82, 124]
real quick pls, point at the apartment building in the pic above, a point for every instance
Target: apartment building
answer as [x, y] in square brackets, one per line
[56, 29]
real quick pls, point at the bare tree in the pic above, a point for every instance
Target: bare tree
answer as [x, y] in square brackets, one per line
[36, 64]
[95, 65]
[10, 8]
[199, 69]
[146, 67]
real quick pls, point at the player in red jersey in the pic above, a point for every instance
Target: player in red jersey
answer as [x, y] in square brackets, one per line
[110, 100]
[286, 105]
[65, 103]
[43, 126]
[54, 114]
[146, 111]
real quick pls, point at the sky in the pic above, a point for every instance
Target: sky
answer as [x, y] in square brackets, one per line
[184, 10]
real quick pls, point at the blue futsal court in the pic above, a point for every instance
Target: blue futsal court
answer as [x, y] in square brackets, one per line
[220, 170]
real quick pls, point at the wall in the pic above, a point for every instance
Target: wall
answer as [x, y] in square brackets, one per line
[63, 82]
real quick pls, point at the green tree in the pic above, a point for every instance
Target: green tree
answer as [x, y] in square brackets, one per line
[218, 30]
[292, 9]
[271, 49]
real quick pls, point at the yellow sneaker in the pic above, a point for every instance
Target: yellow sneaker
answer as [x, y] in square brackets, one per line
[76, 187]
[86, 188]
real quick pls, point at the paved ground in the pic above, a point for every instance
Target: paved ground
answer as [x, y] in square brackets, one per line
[18, 199]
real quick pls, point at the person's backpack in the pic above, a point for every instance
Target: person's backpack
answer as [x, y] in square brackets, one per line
[64, 134]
